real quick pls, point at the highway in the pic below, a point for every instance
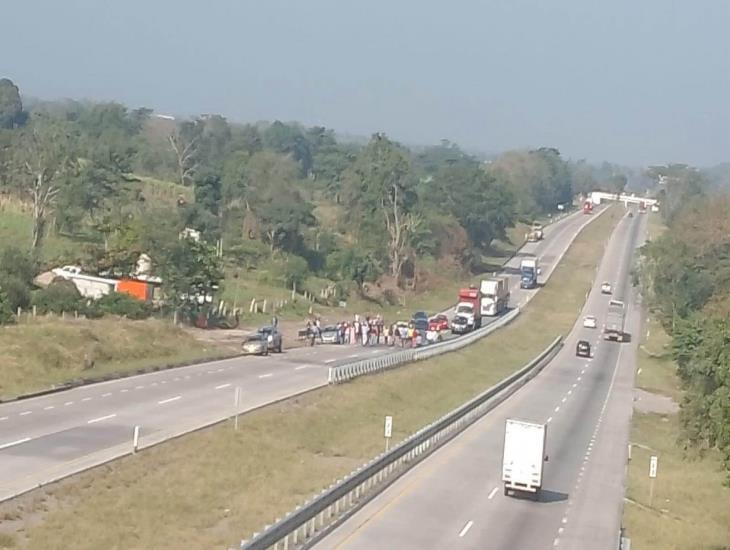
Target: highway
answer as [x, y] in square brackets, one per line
[455, 497]
[47, 438]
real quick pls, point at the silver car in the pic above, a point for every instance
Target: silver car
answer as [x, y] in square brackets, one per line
[330, 335]
[255, 344]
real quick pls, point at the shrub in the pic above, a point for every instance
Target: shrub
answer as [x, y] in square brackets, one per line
[6, 312]
[58, 297]
[295, 271]
[117, 303]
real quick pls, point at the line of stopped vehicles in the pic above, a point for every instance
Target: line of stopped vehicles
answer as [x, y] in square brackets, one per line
[489, 299]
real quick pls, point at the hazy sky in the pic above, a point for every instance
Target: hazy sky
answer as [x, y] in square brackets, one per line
[634, 81]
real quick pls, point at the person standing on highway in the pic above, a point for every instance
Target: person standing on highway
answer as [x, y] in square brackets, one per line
[365, 332]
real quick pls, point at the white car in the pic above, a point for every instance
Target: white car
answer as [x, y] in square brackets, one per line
[606, 288]
[589, 321]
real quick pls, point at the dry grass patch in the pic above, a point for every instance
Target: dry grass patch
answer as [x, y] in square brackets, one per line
[43, 352]
[213, 487]
[690, 508]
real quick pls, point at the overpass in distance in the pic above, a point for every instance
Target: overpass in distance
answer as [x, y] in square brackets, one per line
[598, 197]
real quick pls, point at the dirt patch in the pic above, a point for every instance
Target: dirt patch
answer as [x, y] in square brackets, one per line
[647, 402]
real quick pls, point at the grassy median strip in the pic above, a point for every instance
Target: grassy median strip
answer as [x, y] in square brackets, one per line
[215, 486]
[689, 508]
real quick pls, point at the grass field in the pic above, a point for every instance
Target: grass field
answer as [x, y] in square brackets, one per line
[215, 486]
[42, 352]
[690, 508]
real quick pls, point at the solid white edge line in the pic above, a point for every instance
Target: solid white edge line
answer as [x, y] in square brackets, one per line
[169, 400]
[466, 528]
[492, 493]
[13, 443]
[107, 417]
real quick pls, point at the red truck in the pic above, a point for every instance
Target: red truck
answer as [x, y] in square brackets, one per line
[470, 307]
[588, 207]
[642, 207]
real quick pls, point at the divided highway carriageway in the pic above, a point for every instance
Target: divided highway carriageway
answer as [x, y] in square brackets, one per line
[455, 497]
[50, 437]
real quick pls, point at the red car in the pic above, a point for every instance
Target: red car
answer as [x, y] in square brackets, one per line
[440, 322]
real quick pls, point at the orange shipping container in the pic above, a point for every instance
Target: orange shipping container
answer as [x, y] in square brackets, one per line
[136, 289]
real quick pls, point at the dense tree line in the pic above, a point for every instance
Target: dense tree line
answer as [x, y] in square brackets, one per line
[271, 192]
[686, 275]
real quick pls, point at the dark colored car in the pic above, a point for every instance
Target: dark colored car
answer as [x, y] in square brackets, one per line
[440, 322]
[420, 315]
[421, 326]
[583, 348]
[460, 325]
[273, 338]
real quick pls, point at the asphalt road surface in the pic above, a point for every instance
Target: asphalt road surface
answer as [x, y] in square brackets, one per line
[47, 438]
[455, 498]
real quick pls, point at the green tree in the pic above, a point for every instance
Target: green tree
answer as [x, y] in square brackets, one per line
[289, 140]
[483, 206]
[11, 106]
[380, 189]
[17, 270]
[190, 273]
[273, 196]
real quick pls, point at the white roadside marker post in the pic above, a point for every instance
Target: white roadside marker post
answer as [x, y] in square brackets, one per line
[653, 463]
[135, 440]
[388, 431]
[237, 401]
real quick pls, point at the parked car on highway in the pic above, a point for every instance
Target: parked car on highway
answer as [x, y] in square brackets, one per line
[273, 338]
[421, 326]
[606, 288]
[583, 348]
[589, 321]
[331, 335]
[460, 325]
[440, 322]
[255, 344]
[420, 315]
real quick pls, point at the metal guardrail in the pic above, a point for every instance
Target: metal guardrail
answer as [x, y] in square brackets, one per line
[343, 373]
[317, 517]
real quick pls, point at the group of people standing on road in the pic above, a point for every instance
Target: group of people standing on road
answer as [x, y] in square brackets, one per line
[367, 331]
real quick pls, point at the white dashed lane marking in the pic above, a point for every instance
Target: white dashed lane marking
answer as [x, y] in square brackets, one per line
[466, 528]
[268, 375]
[13, 443]
[101, 418]
[170, 400]
[25, 413]
[222, 386]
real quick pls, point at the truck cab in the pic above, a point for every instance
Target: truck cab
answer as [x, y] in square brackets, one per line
[470, 306]
[529, 271]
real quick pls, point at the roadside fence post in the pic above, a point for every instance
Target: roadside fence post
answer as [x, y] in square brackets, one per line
[135, 440]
